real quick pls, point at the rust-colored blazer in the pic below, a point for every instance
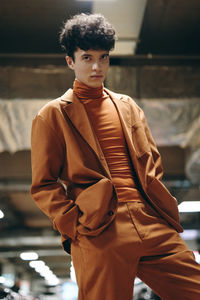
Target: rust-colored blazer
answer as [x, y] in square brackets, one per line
[71, 181]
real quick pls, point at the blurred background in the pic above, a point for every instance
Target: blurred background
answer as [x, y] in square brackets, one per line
[156, 61]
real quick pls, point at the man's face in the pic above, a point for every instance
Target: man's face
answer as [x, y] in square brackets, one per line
[90, 67]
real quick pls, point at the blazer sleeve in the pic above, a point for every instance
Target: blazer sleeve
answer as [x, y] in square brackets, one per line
[154, 150]
[47, 159]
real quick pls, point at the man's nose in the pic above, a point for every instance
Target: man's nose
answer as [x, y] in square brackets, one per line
[95, 66]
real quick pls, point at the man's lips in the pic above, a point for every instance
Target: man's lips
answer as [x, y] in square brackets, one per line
[96, 76]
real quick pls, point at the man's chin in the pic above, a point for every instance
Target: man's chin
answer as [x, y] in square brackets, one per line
[95, 83]
[92, 83]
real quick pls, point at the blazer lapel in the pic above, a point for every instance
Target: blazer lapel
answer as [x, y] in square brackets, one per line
[78, 116]
[124, 113]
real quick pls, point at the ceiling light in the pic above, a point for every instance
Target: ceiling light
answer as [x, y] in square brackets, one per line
[197, 256]
[189, 206]
[189, 234]
[29, 255]
[53, 280]
[44, 271]
[1, 214]
[35, 263]
[72, 273]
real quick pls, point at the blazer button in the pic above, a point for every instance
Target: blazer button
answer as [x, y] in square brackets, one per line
[111, 213]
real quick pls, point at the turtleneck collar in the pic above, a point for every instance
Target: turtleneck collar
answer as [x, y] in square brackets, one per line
[84, 92]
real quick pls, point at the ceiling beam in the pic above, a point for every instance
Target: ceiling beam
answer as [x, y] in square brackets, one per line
[41, 253]
[20, 241]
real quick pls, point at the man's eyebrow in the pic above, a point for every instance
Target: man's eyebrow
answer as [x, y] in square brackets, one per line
[85, 54]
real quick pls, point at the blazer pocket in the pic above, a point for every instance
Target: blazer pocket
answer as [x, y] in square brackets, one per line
[140, 140]
[95, 203]
[160, 195]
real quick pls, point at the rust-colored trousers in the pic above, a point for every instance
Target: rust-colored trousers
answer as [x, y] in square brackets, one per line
[138, 243]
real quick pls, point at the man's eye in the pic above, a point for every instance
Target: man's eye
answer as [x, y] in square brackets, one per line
[86, 58]
[105, 56]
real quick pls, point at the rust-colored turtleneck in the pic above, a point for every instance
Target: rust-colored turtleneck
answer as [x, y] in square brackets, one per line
[106, 124]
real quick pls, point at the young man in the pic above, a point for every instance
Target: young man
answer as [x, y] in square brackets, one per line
[96, 173]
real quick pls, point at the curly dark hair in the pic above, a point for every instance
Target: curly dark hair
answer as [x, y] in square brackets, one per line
[87, 31]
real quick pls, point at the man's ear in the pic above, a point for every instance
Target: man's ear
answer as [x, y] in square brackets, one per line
[70, 62]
